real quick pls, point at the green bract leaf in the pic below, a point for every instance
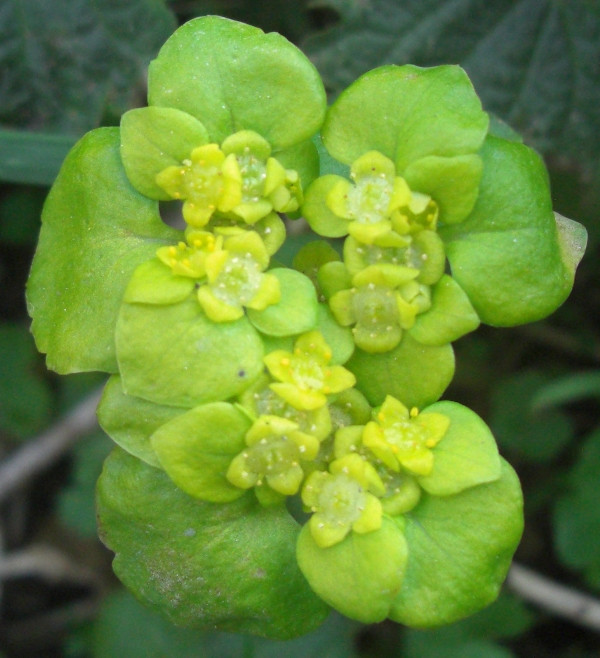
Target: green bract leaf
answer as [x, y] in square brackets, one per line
[153, 282]
[295, 313]
[465, 457]
[460, 548]
[337, 337]
[130, 421]
[359, 576]
[451, 315]
[414, 373]
[174, 355]
[204, 565]
[96, 229]
[234, 77]
[320, 217]
[406, 113]
[154, 138]
[452, 182]
[507, 255]
[195, 449]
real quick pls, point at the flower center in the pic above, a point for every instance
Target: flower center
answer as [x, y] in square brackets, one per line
[273, 455]
[341, 499]
[238, 281]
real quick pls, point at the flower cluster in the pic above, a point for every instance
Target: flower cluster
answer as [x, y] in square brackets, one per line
[281, 443]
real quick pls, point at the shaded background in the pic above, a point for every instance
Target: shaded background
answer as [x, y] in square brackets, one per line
[70, 65]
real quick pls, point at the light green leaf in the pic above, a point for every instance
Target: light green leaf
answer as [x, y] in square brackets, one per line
[196, 449]
[204, 565]
[465, 457]
[174, 355]
[451, 315]
[460, 549]
[506, 255]
[130, 421]
[154, 138]
[406, 113]
[453, 183]
[337, 337]
[353, 576]
[95, 230]
[153, 282]
[413, 373]
[296, 312]
[529, 60]
[97, 65]
[234, 77]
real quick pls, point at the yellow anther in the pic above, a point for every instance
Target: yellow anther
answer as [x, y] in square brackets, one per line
[414, 412]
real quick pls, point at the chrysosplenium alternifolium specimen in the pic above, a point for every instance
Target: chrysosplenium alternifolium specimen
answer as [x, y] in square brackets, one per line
[282, 448]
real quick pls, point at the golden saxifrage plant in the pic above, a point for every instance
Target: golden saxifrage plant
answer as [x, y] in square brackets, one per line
[281, 446]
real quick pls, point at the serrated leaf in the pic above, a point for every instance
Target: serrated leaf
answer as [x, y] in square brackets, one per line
[202, 565]
[532, 62]
[65, 62]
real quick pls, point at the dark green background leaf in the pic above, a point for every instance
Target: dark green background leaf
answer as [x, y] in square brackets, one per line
[65, 63]
[534, 62]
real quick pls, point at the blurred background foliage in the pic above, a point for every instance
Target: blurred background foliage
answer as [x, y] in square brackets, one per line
[70, 65]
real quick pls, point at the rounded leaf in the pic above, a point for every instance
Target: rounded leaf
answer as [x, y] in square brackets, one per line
[297, 310]
[197, 447]
[406, 113]
[414, 373]
[507, 255]
[227, 566]
[232, 77]
[359, 576]
[96, 229]
[130, 421]
[451, 315]
[467, 454]
[154, 138]
[460, 549]
[174, 355]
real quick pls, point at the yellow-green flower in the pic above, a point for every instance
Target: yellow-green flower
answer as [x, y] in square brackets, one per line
[403, 439]
[305, 376]
[275, 450]
[203, 183]
[235, 278]
[266, 185]
[341, 500]
[384, 300]
[189, 258]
